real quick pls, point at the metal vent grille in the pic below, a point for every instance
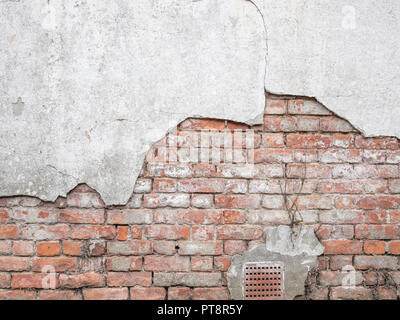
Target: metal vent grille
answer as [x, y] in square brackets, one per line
[263, 281]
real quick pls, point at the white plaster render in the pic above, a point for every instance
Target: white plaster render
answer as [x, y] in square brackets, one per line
[86, 87]
[345, 53]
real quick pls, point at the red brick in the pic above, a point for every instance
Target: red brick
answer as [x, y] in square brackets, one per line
[164, 247]
[371, 278]
[203, 201]
[314, 202]
[105, 294]
[275, 106]
[335, 155]
[46, 232]
[210, 294]
[199, 248]
[308, 141]
[136, 232]
[388, 202]
[334, 124]
[279, 124]
[14, 264]
[164, 185]
[202, 124]
[201, 185]
[31, 280]
[237, 201]
[60, 264]
[127, 248]
[358, 293]
[307, 123]
[232, 247]
[160, 200]
[335, 232]
[338, 262]
[179, 293]
[75, 281]
[9, 232]
[142, 186]
[376, 143]
[82, 232]
[35, 215]
[17, 295]
[342, 140]
[206, 216]
[5, 280]
[23, 248]
[130, 279]
[385, 293]
[394, 247]
[394, 186]
[203, 232]
[148, 293]
[122, 233]
[201, 264]
[376, 262]
[58, 295]
[375, 186]
[48, 249]
[72, 248]
[341, 186]
[222, 263]
[374, 247]
[167, 232]
[323, 263]
[266, 155]
[82, 216]
[341, 216]
[342, 246]
[273, 140]
[124, 263]
[234, 216]
[204, 170]
[305, 155]
[394, 216]
[5, 247]
[345, 202]
[380, 232]
[388, 171]
[238, 232]
[131, 216]
[84, 200]
[308, 107]
[318, 293]
[172, 263]
[4, 215]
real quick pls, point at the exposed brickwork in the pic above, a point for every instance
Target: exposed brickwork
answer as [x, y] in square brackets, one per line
[175, 237]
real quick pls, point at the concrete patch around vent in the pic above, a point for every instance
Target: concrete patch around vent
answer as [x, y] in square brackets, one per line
[297, 249]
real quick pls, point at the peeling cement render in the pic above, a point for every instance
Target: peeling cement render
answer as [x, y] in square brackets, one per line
[86, 87]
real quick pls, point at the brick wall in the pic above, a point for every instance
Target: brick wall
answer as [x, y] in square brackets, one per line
[175, 237]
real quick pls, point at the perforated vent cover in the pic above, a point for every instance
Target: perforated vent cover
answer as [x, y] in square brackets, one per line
[263, 281]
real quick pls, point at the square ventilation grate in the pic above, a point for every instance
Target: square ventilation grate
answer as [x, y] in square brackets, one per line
[263, 281]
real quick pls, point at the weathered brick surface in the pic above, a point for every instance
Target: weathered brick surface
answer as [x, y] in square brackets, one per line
[186, 219]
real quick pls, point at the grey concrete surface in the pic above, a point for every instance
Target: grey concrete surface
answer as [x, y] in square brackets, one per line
[86, 87]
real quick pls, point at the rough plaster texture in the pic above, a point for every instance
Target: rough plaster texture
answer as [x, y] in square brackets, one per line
[87, 86]
[345, 53]
[296, 248]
